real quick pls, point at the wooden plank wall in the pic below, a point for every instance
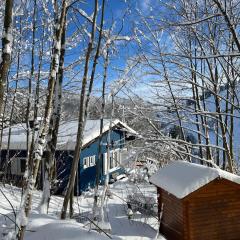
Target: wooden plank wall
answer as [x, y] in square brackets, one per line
[214, 212]
[172, 218]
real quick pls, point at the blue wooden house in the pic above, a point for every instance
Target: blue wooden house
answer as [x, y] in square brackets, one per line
[86, 175]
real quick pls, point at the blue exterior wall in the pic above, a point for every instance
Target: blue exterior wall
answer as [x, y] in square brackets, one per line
[86, 178]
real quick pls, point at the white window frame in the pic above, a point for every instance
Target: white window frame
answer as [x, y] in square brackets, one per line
[105, 164]
[92, 161]
[115, 157]
[85, 162]
[89, 161]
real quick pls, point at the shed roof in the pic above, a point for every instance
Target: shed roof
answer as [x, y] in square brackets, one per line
[181, 178]
[66, 135]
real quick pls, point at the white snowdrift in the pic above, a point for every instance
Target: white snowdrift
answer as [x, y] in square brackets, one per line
[46, 228]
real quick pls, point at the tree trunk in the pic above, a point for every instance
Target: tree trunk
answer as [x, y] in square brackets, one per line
[41, 142]
[100, 158]
[81, 119]
[6, 49]
[53, 131]
[36, 108]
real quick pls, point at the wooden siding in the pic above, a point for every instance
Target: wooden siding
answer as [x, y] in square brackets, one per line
[214, 212]
[172, 219]
[86, 177]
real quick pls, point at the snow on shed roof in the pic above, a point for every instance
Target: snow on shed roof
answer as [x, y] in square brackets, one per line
[181, 178]
[66, 135]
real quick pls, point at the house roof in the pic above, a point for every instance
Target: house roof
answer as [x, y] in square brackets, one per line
[66, 135]
[181, 178]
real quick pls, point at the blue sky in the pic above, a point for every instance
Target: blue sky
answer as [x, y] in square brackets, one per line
[116, 11]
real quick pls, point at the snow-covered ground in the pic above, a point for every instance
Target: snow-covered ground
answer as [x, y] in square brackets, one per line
[44, 227]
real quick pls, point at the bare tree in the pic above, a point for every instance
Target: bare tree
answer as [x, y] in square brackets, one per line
[196, 65]
[81, 118]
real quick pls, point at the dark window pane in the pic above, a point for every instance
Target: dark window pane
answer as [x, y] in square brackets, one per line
[23, 165]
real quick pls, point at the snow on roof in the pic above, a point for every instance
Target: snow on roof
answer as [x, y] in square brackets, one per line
[181, 178]
[66, 135]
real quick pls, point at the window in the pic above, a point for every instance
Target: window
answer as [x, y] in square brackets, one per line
[114, 158]
[23, 165]
[111, 160]
[92, 161]
[89, 161]
[86, 162]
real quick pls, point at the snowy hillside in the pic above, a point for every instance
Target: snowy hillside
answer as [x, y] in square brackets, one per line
[212, 123]
[188, 115]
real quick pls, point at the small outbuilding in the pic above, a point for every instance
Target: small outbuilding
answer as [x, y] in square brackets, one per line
[197, 202]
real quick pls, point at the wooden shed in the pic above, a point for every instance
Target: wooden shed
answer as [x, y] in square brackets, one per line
[198, 202]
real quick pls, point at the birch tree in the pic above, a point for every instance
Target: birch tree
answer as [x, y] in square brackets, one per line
[53, 129]
[6, 48]
[41, 141]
